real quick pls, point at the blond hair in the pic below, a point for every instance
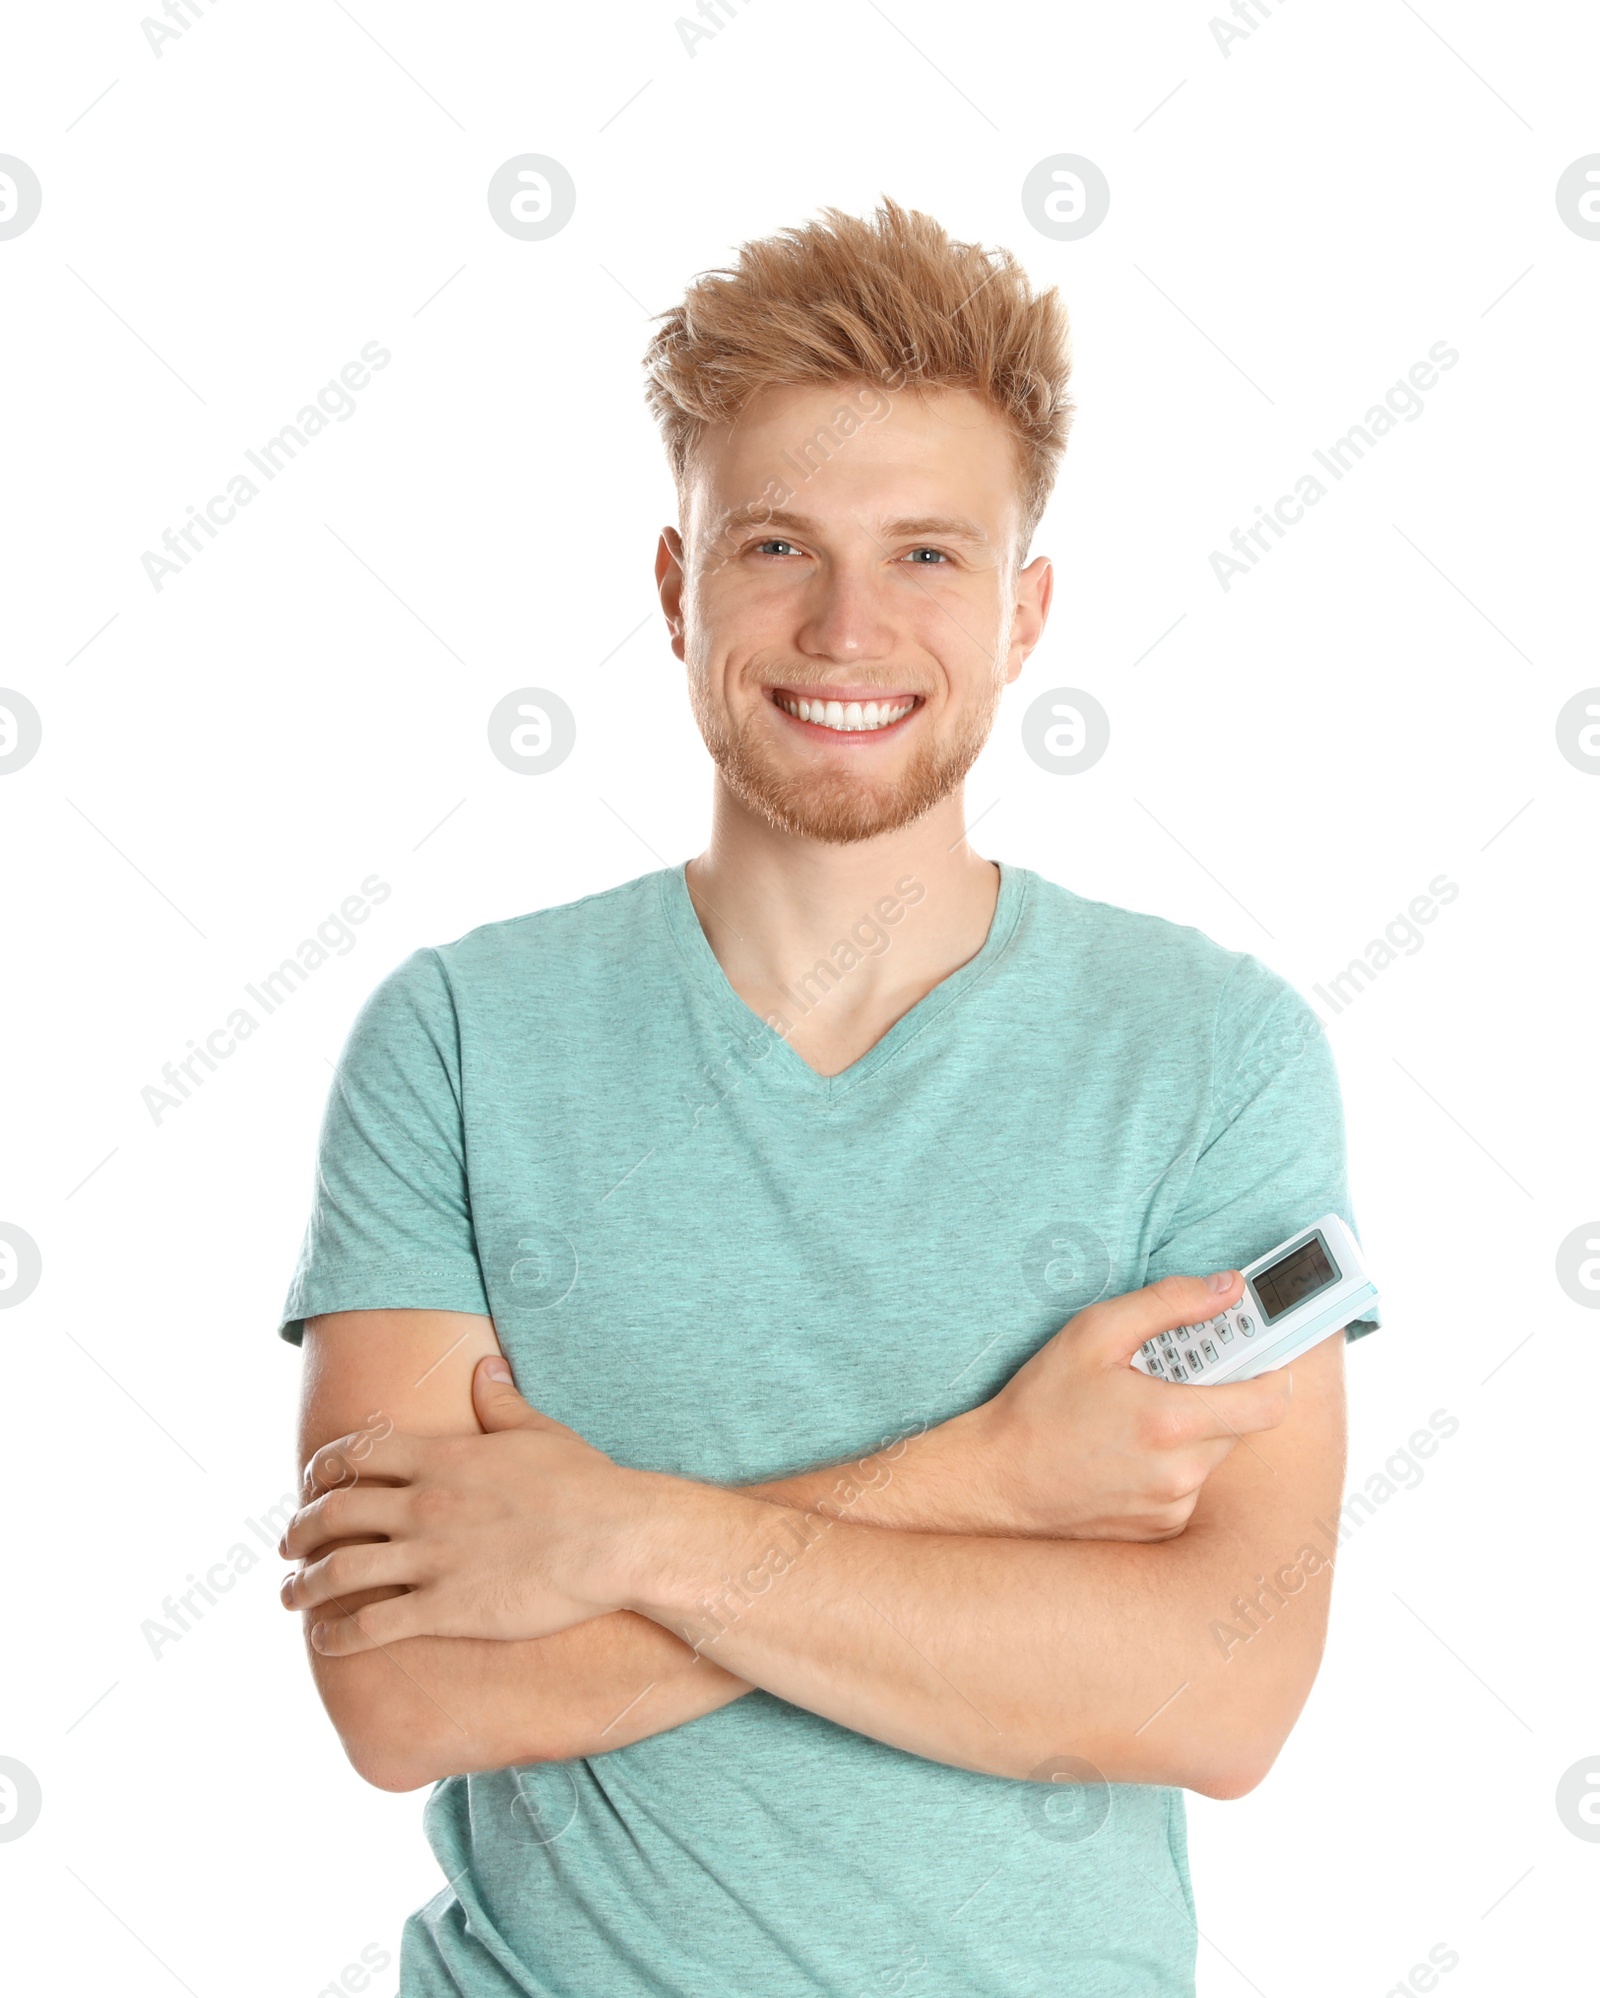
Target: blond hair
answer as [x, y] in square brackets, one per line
[895, 301]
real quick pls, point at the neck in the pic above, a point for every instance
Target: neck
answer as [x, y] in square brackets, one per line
[835, 943]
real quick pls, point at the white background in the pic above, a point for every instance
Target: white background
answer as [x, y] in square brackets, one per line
[1292, 226]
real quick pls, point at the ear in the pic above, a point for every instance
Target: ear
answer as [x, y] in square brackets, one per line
[669, 584]
[1035, 588]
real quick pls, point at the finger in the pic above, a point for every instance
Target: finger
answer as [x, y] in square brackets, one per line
[1119, 1326]
[361, 1455]
[1244, 1408]
[495, 1397]
[1201, 1458]
[345, 1513]
[376, 1565]
[370, 1629]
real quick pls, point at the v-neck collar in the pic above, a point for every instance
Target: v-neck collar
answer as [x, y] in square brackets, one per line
[781, 1061]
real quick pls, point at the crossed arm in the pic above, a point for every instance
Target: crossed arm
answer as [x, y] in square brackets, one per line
[1092, 1564]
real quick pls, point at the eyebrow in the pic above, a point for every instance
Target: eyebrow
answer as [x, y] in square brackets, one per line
[946, 527]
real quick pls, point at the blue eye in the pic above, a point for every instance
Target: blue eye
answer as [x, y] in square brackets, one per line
[928, 551]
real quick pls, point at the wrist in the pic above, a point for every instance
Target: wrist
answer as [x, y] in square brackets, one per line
[986, 1470]
[687, 1545]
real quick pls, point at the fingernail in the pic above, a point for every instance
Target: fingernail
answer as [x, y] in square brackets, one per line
[496, 1369]
[318, 1632]
[1223, 1280]
[286, 1590]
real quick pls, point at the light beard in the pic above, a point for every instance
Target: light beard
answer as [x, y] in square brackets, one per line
[834, 807]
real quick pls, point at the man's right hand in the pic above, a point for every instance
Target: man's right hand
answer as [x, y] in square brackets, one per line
[1080, 1445]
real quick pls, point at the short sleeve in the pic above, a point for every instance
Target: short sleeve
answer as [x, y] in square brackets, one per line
[1272, 1157]
[391, 1212]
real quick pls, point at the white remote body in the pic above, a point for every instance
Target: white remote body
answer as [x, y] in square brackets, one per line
[1310, 1286]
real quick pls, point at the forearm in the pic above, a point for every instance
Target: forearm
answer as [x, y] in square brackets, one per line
[997, 1653]
[424, 1708]
[430, 1707]
[929, 1480]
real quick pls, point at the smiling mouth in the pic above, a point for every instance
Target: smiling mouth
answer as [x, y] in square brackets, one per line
[845, 717]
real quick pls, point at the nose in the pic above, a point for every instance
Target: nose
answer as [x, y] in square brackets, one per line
[845, 617]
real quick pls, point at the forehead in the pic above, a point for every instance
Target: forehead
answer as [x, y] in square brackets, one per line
[941, 457]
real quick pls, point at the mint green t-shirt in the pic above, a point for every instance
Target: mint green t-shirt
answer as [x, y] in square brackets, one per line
[710, 1260]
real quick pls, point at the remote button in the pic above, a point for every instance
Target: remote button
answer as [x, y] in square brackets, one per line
[1247, 1326]
[1208, 1349]
[1194, 1360]
[1224, 1331]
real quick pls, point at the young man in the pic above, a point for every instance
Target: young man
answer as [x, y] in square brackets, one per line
[818, 1602]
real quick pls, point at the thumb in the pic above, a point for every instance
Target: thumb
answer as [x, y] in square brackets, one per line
[495, 1398]
[1123, 1324]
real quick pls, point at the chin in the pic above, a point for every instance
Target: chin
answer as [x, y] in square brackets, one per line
[838, 813]
[837, 807]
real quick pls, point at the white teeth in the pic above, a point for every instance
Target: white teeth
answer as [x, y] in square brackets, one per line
[848, 717]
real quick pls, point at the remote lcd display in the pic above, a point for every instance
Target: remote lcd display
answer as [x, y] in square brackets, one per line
[1299, 1274]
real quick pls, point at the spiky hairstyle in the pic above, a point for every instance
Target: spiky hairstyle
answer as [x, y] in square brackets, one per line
[894, 301]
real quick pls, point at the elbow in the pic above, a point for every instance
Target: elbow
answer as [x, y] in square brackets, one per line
[388, 1764]
[390, 1772]
[392, 1737]
[1240, 1738]
[1228, 1780]
[1226, 1768]
[386, 1741]
[398, 1741]
[405, 1757]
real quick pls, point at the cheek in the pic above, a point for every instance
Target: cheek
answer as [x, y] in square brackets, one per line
[960, 627]
[728, 633]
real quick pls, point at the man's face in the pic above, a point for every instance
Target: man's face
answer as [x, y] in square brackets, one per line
[845, 598]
